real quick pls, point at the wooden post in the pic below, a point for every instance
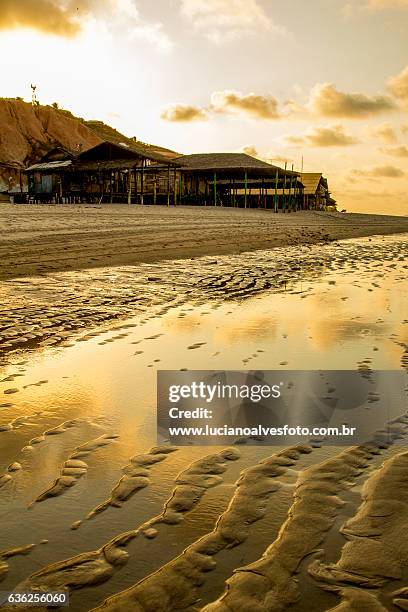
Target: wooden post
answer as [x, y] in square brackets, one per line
[175, 187]
[215, 189]
[142, 183]
[246, 189]
[135, 179]
[290, 195]
[129, 176]
[231, 199]
[111, 186]
[181, 187]
[168, 184]
[154, 190]
[296, 193]
[276, 191]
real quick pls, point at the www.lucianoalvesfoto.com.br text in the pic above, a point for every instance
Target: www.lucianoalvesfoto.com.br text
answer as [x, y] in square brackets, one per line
[261, 430]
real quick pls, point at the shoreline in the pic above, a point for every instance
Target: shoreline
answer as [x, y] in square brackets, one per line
[40, 239]
[51, 309]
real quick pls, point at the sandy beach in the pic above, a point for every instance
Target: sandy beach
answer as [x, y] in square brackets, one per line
[39, 239]
[204, 306]
[95, 508]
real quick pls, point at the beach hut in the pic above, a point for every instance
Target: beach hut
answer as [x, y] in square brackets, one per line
[238, 180]
[316, 191]
[107, 172]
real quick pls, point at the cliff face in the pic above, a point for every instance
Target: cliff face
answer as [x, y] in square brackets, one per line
[27, 133]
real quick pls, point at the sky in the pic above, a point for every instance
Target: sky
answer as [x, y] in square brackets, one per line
[323, 81]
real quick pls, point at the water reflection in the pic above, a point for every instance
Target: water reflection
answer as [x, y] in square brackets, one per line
[335, 322]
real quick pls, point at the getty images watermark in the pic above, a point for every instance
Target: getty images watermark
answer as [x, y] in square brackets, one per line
[276, 407]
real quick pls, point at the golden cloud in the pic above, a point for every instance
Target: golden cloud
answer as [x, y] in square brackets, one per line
[328, 101]
[252, 105]
[66, 18]
[226, 102]
[398, 87]
[44, 15]
[184, 113]
[250, 150]
[384, 132]
[334, 136]
[278, 159]
[401, 151]
[379, 172]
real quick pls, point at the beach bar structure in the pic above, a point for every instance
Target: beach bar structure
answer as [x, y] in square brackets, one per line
[238, 180]
[109, 172]
[316, 194]
[112, 172]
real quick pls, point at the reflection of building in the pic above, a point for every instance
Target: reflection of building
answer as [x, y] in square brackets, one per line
[131, 172]
[316, 191]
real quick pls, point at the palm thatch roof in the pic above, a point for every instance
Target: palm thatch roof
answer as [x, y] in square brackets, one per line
[311, 181]
[108, 133]
[228, 162]
[108, 150]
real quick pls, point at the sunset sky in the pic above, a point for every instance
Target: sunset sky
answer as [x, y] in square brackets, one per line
[282, 79]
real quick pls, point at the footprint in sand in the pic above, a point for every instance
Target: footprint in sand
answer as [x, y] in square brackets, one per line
[196, 345]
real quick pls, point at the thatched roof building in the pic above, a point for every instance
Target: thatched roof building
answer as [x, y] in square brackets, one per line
[130, 172]
[316, 190]
[237, 179]
[109, 171]
[230, 162]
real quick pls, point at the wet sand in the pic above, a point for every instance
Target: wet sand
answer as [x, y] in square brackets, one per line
[126, 525]
[39, 239]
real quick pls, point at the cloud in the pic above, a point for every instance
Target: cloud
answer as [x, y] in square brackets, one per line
[183, 113]
[384, 132]
[225, 20]
[250, 150]
[278, 159]
[226, 102]
[44, 15]
[252, 105]
[67, 17]
[334, 136]
[328, 101]
[379, 172]
[401, 151]
[398, 86]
